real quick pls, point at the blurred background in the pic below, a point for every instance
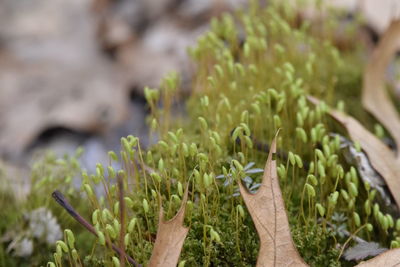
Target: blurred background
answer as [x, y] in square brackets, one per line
[72, 72]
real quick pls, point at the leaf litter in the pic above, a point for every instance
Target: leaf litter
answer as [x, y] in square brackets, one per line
[384, 161]
[268, 211]
[367, 172]
[170, 237]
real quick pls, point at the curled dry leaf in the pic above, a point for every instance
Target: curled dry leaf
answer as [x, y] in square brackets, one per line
[170, 237]
[363, 250]
[374, 97]
[381, 157]
[364, 167]
[389, 258]
[268, 212]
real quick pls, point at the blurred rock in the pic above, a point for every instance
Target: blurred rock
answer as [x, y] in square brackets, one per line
[160, 33]
[199, 12]
[377, 14]
[34, 97]
[163, 49]
[52, 73]
[53, 30]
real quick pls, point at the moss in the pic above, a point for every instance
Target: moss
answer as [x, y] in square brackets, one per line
[316, 245]
[239, 245]
[48, 173]
[254, 71]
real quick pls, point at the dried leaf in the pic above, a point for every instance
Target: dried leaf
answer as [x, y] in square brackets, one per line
[381, 157]
[363, 250]
[364, 167]
[268, 211]
[374, 97]
[389, 258]
[170, 237]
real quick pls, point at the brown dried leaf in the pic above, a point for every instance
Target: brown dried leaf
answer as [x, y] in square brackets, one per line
[382, 158]
[363, 250]
[374, 97]
[364, 167]
[170, 237]
[389, 258]
[268, 211]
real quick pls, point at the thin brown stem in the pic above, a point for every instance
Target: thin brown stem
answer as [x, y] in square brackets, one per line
[122, 255]
[59, 197]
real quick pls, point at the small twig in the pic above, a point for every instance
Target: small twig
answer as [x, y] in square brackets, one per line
[352, 236]
[59, 197]
[347, 233]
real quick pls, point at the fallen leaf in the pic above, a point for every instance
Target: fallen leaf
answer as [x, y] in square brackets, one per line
[363, 250]
[374, 96]
[390, 258]
[381, 157]
[376, 100]
[170, 237]
[364, 167]
[268, 211]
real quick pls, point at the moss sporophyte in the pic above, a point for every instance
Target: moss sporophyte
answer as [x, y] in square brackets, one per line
[255, 69]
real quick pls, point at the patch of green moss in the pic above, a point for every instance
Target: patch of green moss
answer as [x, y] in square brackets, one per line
[254, 72]
[316, 245]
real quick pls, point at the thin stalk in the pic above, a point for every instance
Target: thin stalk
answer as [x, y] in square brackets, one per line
[62, 201]
[122, 255]
[349, 239]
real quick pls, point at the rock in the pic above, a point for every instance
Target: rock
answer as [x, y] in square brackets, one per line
[377, 14]
[52, 73]
[163, 49]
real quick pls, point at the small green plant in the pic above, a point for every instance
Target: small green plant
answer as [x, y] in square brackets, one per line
[31, 226]
[255, 70]
[244, 91]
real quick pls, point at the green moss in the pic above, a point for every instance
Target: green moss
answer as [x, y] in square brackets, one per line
[316, 245]
[254, 71]
[48, 173]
